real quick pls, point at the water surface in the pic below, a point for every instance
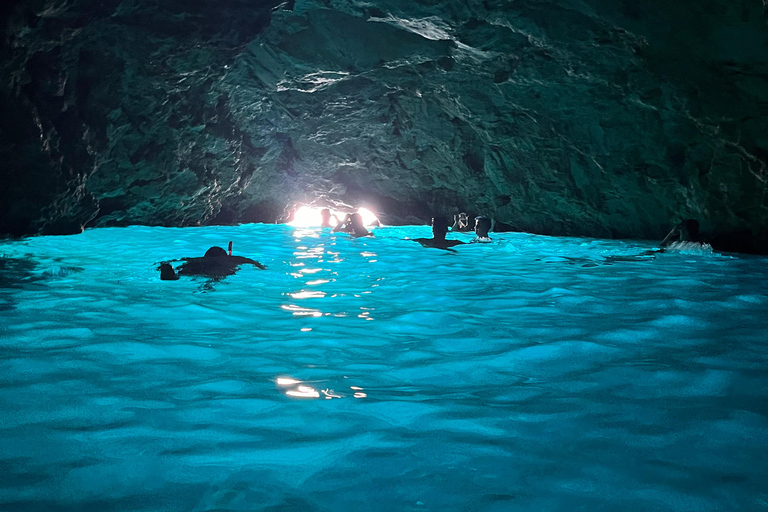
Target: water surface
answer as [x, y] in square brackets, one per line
[533, 373]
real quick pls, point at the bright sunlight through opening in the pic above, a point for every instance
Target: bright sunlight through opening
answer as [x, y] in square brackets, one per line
[307, 216]
[368, 216]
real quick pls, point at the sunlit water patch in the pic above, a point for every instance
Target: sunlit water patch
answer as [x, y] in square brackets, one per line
[531, 373]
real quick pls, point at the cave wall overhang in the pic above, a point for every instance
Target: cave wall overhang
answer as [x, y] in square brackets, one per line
[596, 119]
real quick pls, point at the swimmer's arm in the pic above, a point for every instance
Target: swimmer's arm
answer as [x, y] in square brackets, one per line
[242, 260]
[252, 262]
[429, 243]
[668, 239]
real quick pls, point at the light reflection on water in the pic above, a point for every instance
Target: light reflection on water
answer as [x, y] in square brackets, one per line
[532, 373]
[307, 295]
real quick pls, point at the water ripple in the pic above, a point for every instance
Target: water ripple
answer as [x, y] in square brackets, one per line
[522, 374]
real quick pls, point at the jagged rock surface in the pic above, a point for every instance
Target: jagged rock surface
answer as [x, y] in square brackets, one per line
[597, 118]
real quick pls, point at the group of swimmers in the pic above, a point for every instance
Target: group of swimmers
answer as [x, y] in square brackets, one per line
[440, 230]
[218, 263]
[352, 224]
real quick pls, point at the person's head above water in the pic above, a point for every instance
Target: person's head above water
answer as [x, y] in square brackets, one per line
[345, 226]
[482, 226]
[325, 215]
[689, 230]
[686, 231]
[356, 220]
[461, 222]
[355, 226]
[438, 241]
[439, 227]
[215, 252]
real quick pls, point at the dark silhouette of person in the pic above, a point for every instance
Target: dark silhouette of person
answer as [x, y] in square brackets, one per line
[358, 229]
[215, 264]
[482, 227]
[326, 216]
[438, 241]
[352, 224]
[345, 226]
[685, 231]
[461, 223]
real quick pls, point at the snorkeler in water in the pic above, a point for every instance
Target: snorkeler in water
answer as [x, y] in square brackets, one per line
[438, 241]
[215, 264]
[482, 227]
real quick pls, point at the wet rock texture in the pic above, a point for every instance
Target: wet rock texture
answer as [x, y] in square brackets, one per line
[599, 117]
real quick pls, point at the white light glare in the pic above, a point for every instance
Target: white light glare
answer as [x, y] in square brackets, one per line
[368, 216]
[307, 216]
[303, 392]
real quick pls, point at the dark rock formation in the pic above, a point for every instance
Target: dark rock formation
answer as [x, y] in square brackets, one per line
[594, 117]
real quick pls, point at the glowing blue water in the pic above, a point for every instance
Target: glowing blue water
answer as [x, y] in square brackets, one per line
[534, 373]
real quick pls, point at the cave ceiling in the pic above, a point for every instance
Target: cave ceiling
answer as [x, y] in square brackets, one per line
[584, 118]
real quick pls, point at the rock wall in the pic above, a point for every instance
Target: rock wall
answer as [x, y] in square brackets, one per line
[594, 117]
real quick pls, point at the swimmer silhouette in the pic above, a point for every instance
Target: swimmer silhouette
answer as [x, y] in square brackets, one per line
[345, 226]
[482, 226]
[325, 215]
[686, 231]
[352, 224]
[461, 222]
[438, 241]
[215, 264]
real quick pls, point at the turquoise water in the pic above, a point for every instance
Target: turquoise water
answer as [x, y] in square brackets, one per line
[531, 374]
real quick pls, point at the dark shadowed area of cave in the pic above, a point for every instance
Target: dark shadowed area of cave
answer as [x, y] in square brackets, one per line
[566, 117]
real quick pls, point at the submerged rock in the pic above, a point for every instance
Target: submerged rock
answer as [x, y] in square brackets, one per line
[595, 118]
